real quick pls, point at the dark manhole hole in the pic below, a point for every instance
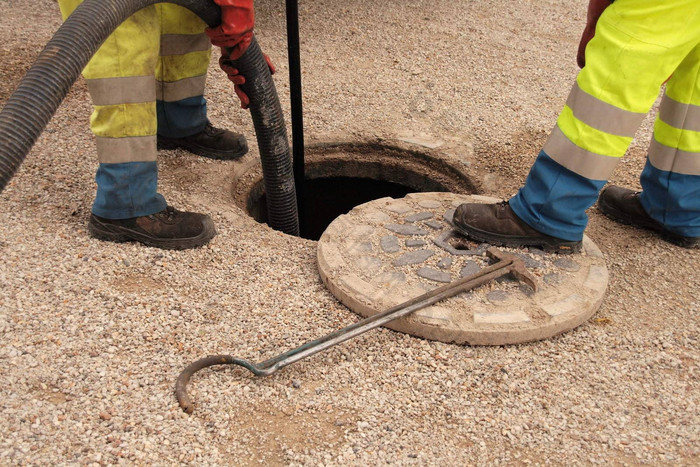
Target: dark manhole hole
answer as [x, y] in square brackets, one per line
[324, 199]
[342, 176]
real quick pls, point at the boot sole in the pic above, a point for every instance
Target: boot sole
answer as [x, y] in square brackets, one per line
[621, 217]
[550, 245]
[117, 234]
[209, 153]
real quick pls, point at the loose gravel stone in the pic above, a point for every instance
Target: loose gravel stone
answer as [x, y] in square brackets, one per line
[469, 268]
[406, 229]
[435, 225]
[413, 257]
[497, 296]
[449, 214]
[414, 242]
[420, 216]
[434, 274]
[530, 262]
[554, 278]
[567, 264]
[390, 244]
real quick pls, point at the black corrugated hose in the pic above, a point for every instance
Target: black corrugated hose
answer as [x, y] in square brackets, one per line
[268, 120]
[43, 88]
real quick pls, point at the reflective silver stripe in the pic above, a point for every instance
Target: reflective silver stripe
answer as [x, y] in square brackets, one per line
[585, 163]
[122, 90]
[673, 159]
[129, 149]
[601, 115]
[180, 44]
[679, 115]
[181, 89]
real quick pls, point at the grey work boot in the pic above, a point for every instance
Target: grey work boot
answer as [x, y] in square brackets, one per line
[169, 229]
[497, 224]
[623, 205]
[211, 142]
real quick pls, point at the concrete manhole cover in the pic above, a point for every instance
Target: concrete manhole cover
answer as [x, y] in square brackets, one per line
[387, 251]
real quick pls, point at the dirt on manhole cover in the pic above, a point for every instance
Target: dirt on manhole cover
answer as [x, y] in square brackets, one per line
[387, 251]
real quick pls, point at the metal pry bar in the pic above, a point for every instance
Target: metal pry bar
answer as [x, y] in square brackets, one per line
[506, 264]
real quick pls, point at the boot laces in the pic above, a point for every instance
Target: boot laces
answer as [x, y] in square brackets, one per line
[210, 130]
[166, 214]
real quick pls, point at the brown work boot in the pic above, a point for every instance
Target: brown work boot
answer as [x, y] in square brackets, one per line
[169, 229]
[623, 205]
[211, 142]
[497, 224]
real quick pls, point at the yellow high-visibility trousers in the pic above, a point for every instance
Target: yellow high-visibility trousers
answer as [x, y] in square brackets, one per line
[147, 78]
[638, 45]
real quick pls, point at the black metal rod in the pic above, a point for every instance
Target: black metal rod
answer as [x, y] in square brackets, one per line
[292, 8]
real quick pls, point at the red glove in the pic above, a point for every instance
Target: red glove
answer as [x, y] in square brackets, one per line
[233, 35]
[236, 28]
[595, 9]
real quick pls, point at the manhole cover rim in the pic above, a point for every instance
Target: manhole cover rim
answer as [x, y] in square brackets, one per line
[563, 312]
[435, 166]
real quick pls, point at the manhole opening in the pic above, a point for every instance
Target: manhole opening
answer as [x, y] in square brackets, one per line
[340, 177]
[324, 199]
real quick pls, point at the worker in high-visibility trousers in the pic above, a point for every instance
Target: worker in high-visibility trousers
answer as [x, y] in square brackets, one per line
[636, 46]
[147, 83]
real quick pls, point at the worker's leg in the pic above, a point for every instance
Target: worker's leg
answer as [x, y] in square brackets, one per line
[182, 110]
[637, 46]
[182, 70]
[671, 177]
[121, 81]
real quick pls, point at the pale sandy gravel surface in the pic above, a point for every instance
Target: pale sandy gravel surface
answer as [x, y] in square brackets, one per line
[94, 334]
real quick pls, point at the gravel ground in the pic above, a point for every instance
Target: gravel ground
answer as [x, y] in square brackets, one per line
[94, 334]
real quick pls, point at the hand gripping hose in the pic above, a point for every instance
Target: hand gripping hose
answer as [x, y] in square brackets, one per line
[29, 109]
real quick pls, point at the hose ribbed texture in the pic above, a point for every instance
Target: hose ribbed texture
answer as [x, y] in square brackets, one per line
[273, 144]
[41, 91]
[46, 84]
